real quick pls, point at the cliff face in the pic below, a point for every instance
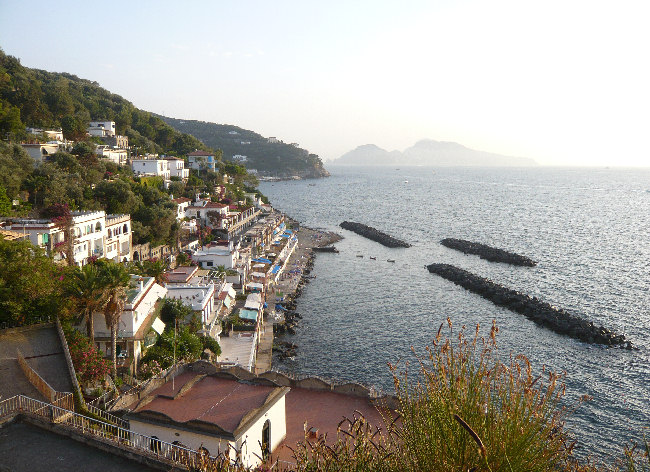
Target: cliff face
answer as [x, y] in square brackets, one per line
[428, 152]
[269, 156]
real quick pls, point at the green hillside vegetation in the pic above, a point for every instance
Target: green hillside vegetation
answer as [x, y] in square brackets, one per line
[37, 98]
[276, 159]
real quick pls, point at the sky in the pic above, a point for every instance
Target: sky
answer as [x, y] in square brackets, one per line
[561, 81]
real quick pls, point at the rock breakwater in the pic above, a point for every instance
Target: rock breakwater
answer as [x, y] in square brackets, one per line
[373, 234]
[488, 253]
[540, 312]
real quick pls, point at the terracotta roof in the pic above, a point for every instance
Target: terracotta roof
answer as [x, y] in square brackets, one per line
[181, 200]
[201, 153]
[181, 274]
[208, 403]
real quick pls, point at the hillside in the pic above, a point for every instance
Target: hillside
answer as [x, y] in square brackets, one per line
[37, 98]
[275, 159]
[428, 152]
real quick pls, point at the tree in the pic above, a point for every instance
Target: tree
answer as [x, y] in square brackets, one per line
[115, 280]
[85, 287]
[5, 203]
[30, 284]
[62, 217]
[175, 310]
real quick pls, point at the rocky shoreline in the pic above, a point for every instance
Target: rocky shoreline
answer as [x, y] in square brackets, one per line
[373, 234]
[303, 261]
[488, 253]
[542, 313]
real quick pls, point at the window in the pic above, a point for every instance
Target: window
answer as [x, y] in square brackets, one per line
[125, 228]
[209, 263]
[109, 233]
[46, 238]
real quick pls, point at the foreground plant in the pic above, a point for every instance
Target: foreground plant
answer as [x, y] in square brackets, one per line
[466, 410]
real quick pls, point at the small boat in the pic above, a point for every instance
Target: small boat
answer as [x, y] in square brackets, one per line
[373, 258]
[359, 255]
[406, 181]
[390, 260]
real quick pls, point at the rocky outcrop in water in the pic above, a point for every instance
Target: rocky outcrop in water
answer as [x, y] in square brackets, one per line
[373, 234]
[540, 312]
[488, 253]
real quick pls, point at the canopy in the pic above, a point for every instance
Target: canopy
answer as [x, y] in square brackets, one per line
[248, 315]
[261, 259]
[280, 307]
[285, 236]
[158, 326]
[251, 305]
[255, 286]
[258, 274]
[258, 266]
[288, 231]
[276, 269]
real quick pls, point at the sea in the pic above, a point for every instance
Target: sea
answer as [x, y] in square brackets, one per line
[588, 229]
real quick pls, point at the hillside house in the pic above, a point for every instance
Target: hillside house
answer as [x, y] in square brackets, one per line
[101, 128]
[220, 415]
[202, 160]
[135, 323]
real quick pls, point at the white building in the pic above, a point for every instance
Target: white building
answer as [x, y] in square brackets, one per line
[239, 158]
[135, 321]
[220, 415]
[212, 256]
[119, 239]
[101, 128]
[202, 160]
[200, 297]
[182, 203]
[157, 167]
[40, 152]
[209, 213]
[91, 238]
[53, 134]
[177, 168]
[118, 156]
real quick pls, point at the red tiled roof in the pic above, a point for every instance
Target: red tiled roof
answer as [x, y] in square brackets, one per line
[181, 200]
[221, 402]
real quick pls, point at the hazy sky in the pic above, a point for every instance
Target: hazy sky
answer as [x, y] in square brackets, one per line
[564, 82]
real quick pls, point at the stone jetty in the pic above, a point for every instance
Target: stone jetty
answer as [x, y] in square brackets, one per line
[488, 253]
[373, 234]
[540, 312]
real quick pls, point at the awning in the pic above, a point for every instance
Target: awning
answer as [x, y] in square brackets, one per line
[258, 274]
[158, 326]
[248, 315]
[261, 259]
[250, 305]
[288, 231]
[275, 269]
[287, 236]
[258, 266]
[280, 307]
[255, 286]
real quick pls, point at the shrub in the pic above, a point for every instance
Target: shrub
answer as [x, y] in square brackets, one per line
[465, 410]
[89, 363]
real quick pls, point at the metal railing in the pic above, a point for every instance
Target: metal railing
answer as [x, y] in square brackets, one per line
[120, 437]
[122, 423]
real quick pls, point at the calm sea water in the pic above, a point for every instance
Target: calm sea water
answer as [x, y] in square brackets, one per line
[589, 230]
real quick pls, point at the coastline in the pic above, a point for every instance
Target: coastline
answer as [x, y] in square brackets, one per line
[291, 284]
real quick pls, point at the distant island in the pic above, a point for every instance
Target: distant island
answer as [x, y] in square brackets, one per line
[267, 157]
[428, 152]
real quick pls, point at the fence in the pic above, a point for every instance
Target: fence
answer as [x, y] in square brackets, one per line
[122, 423]
[118, 436]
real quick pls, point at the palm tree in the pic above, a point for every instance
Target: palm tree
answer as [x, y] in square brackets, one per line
[85, 287]
[115, 279]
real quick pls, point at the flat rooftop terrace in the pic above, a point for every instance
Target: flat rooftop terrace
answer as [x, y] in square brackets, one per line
[24, 446]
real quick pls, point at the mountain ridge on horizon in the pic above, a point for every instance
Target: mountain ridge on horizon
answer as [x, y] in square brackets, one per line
[428, 152]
